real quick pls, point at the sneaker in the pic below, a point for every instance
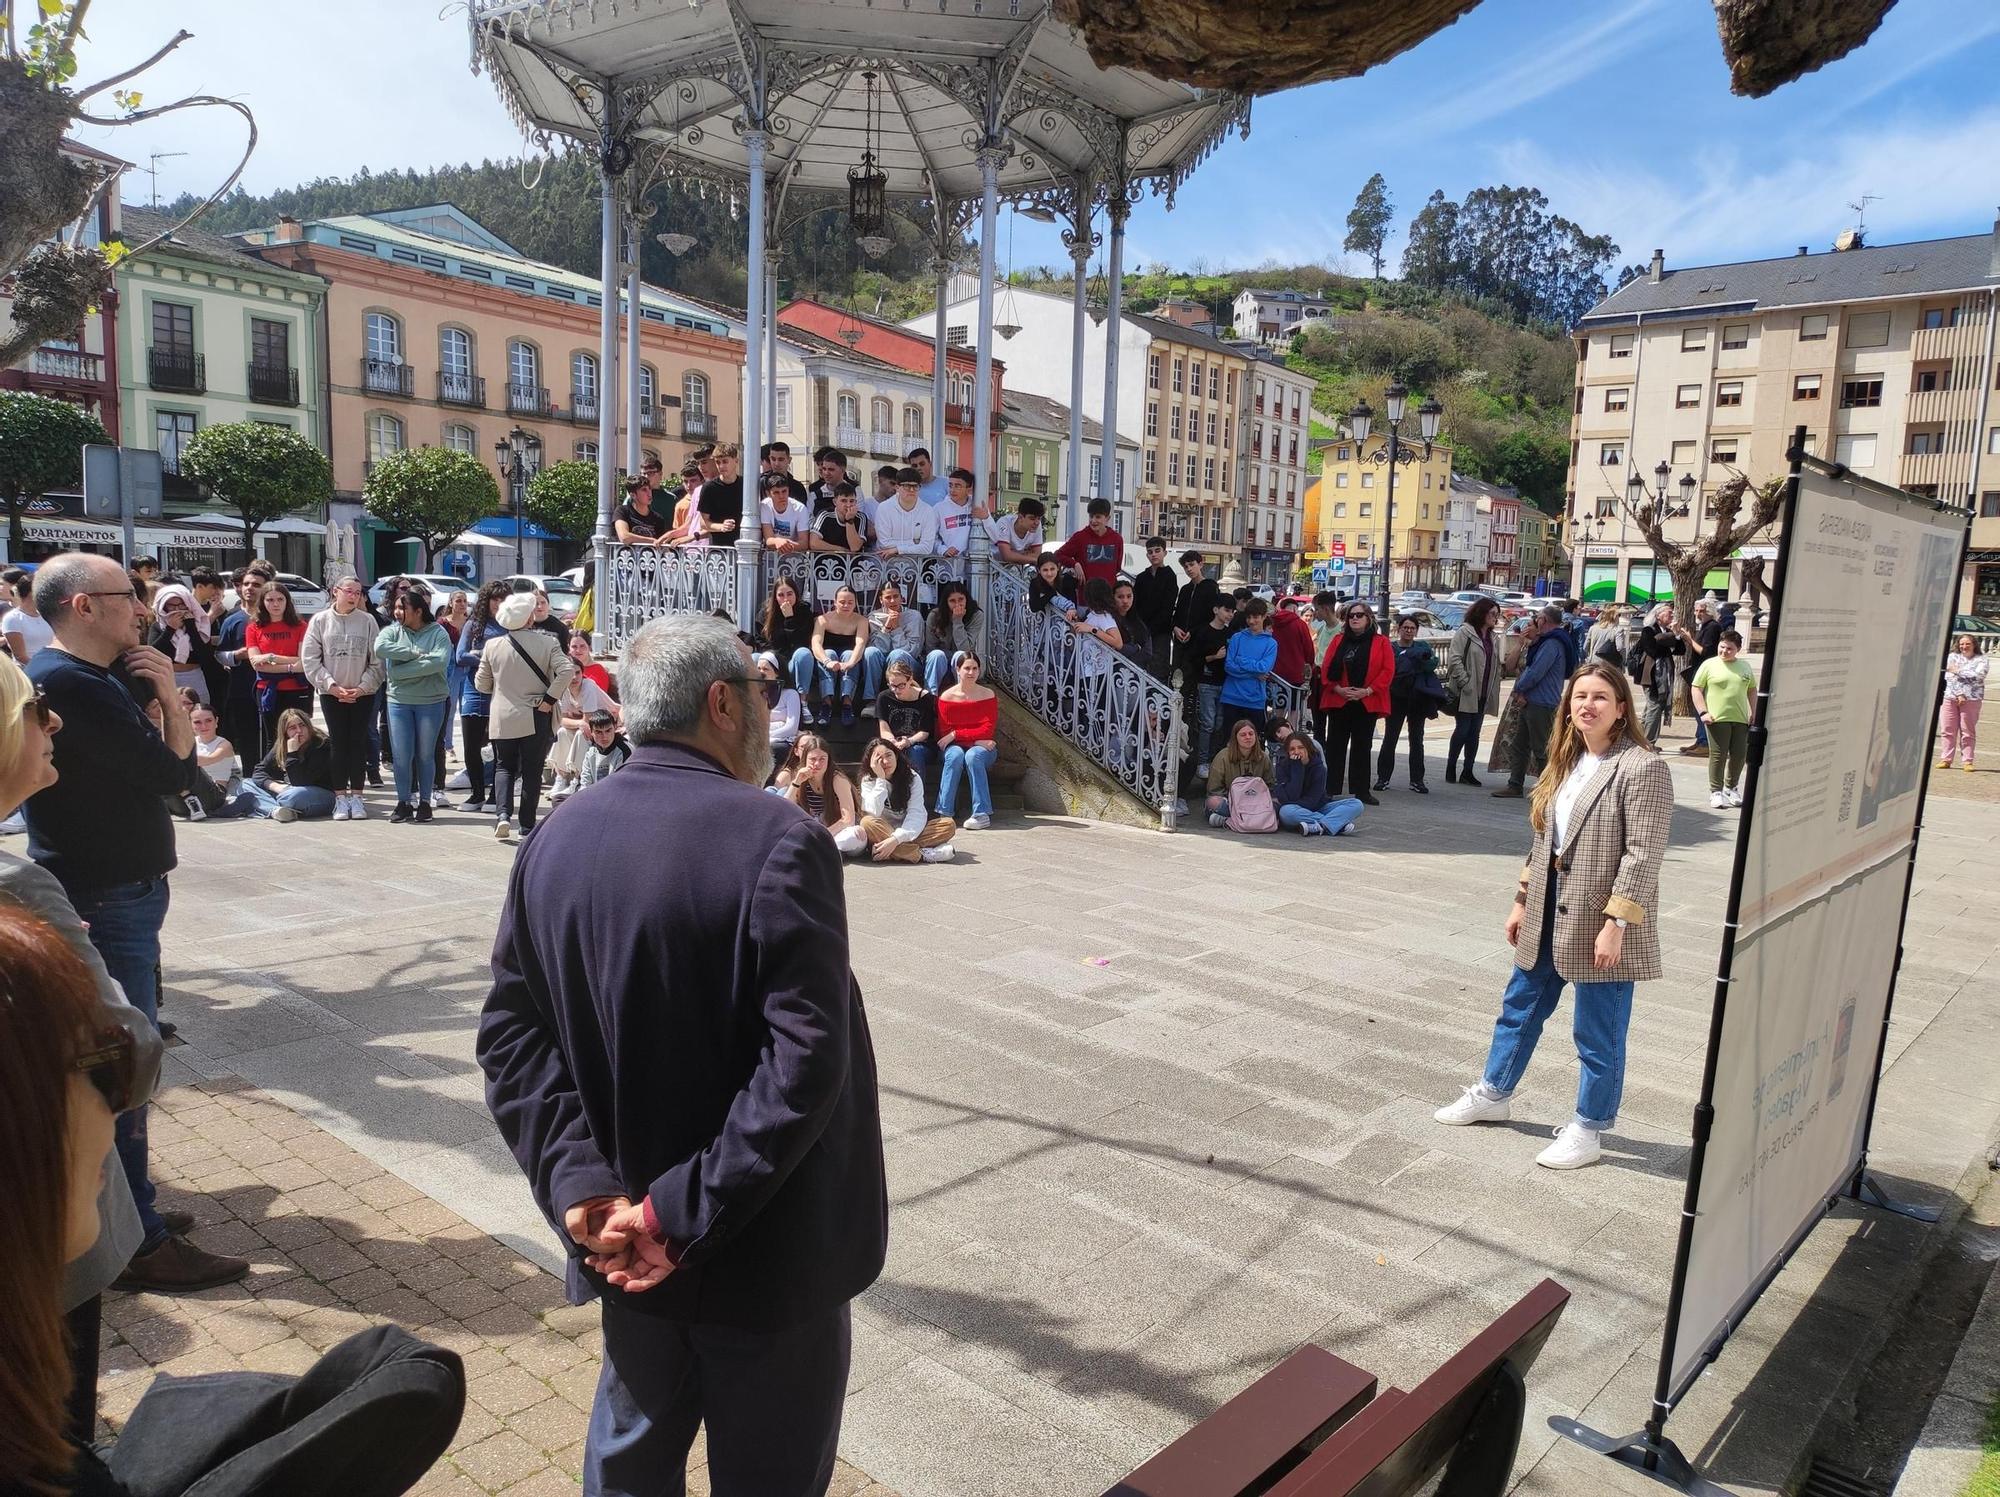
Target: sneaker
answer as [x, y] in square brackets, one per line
[375, 778]
[977, 823]
[563, 788]
[868, 709]
[1180, 806]
[1201, 771]
[1475, 1107]
[1719, 799]
[284, 813]
[459, 781]
[340, 808]
[503, 829]
[357, 808]
[1381, 784]
[1732, 797]
[1216, 818]
[1575, 1146]
[942, 854]
[402, 812]
[178, 1266]
[1966, 766]
[1465, 777]
[1311, 829]
[195, 812]
[424, 811]
[1418, 787]
[16, 824]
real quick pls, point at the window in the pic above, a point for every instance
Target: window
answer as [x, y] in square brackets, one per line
[1368, 480]
[1295, 405]
[1367, 510]
[1936, 317]
[1041, 470]
[1735, 335]
[1340, 509]
[783, 397]
[523, 365]
[172, 431]
[882, 418]
[1152, 418]
[1173, 469]
[1209, 438]
[847, 412]
[955, 336]
[173, 328]
[1174, 422]
[1621, 345]
[647, 385]
[1180, 369]
[1214, 379]
[1152, 468]
[1232, 387]
[270, 344]
[1927, 380]
[385, 435]
[1194, 377]
[1340, 454]
[585, 452]
[1993, 441]
[1606, 508]
[1989, 504]
[458, 437]
[1805, 387]
[1855, 451]
[694, 396]
[1610, 454]
[1855, 393]
[1920, 443]
[1868, 330]
[1694, 339]
[1340, 480]
[1616, 397]
[950, 453]
[1152, 371]
[1812, 327]
[913, 422]
[1207, 472]
[384, 334]
[583, 381]
[1687, 395]
[455, 358]
[1729, 392]
[1722, 450]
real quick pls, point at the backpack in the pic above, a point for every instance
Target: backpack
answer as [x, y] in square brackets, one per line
[1250, 807]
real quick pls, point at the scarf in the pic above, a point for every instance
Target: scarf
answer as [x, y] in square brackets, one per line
[1352, 661]
[179, 643]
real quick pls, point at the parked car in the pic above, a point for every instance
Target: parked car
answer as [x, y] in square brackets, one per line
[307, 597]
[440, 585]
[565, 597]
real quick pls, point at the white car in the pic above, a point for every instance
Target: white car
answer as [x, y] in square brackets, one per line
[565, 597]
[440, 585]
[307, 597]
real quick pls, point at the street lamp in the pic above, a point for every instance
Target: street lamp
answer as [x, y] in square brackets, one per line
[1360, 421]
[519, 454]
[1636, 493]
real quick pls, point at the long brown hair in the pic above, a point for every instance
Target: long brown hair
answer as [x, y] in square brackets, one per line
[802, 748]
[263, 614]
[283, 745]
[1566, 743]
[47, 1002]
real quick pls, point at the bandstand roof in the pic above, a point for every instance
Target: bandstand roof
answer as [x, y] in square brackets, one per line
[686, 70]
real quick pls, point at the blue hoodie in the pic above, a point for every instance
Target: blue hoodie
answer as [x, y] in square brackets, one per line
[1249, 658]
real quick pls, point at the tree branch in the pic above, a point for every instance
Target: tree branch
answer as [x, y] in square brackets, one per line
[193, 101]
[72, 28]
[117, 78]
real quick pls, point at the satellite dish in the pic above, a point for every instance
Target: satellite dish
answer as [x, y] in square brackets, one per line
[395, 361]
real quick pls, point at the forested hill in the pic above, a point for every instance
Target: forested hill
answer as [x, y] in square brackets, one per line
[1462, 324]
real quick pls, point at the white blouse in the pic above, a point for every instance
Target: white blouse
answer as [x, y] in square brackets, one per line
[1571, 791]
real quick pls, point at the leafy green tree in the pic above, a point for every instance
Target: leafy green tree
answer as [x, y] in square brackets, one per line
[41, 448]
[563, 497]
[1535, 462]
[431, 493]
[260, 471]
[1368, 221]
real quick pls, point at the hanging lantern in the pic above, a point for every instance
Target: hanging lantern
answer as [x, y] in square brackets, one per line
[868, 184]
[675, 244]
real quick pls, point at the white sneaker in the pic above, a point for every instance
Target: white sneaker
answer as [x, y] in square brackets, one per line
[284, 813]
[340, 808]
[1719, 799]
[1575, 1146]
[14, 825]
[1216, 818]
[562, 788]
[942, 854]
[1475, 1107]
[195, 812]
[1201, 771]
[503, 829]
[1180, 806]
[1311, 829]
[1735, 797]
[357, 808]
[977, 823]
[459, 781]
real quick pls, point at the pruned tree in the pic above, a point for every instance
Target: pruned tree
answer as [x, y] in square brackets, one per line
[1368, 221]
[258, 470]
[41, 448]
[431, 493]
[563, 497]
[46, 196]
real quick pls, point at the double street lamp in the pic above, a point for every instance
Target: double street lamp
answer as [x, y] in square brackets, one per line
[520, 457]
[1636, 493]
[1392, 453]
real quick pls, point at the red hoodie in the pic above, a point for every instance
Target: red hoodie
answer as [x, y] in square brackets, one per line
[1295, 645]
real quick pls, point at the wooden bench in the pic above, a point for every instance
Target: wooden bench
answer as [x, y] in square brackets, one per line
[1314, 1427]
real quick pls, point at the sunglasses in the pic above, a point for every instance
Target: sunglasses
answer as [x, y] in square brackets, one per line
[39, 705]
[112, 1066]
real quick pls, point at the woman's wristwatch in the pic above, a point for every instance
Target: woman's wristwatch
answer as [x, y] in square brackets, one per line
[1620, 922]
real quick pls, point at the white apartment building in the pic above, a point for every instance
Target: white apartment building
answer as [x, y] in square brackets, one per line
[1280, 451]
[1273, 318]
[1885, 354]
[1461, 556]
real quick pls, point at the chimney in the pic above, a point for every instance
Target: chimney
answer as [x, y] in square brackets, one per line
[288, 230]
[1659, 269]
[1804, 251]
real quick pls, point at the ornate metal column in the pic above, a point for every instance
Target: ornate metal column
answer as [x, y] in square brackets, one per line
[1080, 241]
[771, 349]
[979, 545]
[943, 269]
[631, 371]
[613, 157]
[749, 548]
[1118, 206]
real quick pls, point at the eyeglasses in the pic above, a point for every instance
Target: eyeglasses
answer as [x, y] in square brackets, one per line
[112, 1066]
[39, 705]
[130, 594]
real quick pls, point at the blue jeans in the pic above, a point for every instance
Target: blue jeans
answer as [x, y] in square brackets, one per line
[831, 688]
[876, 662]
[413, 733]
[310, 801]
[1700, 732]
[124, 921]
[803, 667]
[939, 669]
[973, 764]
[1335, 817]
[923, 758]
[1209, 698]
[1603, 1011]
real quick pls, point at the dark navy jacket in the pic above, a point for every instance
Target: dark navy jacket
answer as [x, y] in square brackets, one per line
[672, 1014]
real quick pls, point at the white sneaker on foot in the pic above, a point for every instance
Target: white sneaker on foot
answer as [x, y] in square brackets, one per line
[1734, 797]
[1475, 1107]
[340, 810]
[459, 781]
[357, 808]
[1216, 818]
[977, 823]
[1201, 771]
[1719, 799]
[942, 854]
[1575, 1146]
[504, 830]
[284, 813]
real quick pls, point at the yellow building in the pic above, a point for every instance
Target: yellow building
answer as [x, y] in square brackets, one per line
[1350, 502]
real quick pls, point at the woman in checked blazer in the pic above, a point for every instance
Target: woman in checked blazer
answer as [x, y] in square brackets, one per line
[1588, 908]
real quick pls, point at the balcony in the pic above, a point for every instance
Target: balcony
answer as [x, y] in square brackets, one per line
[1013, 483]
[179, 369]
[959, 415]
[697, 426]
[884, 444]
[1934, 407]
[381, 377]
[1965, 340]
[583, 406]
[1931, 467]
[527, 400]
[850, 439]
[652, 419]
[272, 384]
[462, 389]
[68, 365]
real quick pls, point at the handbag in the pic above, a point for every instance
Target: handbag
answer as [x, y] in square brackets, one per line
[1507, 735]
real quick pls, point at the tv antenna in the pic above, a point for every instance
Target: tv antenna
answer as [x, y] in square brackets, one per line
[1861, 211]
[153, 171]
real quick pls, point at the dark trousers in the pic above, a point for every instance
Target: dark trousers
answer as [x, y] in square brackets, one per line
[517, 772]
[347, 736]
[770, 1402]
[1465, 738]
[1350, 733]
[1401, 713]
[82, 1325]
[1532, 747]
[472, 734]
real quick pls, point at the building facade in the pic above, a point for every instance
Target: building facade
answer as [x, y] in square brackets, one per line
[440, 334]
[1353, 507]
[1280, 464]
[1274, 318]
[1466, 539]
[1531, 548]
[830, 395]
[1035, 457]
[1885, 354]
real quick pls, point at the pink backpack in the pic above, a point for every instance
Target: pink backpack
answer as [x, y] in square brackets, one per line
[1250, 807]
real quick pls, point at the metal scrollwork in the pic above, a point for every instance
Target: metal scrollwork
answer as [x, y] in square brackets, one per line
[646, 581]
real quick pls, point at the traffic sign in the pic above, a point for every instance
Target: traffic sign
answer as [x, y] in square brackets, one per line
[123, 484]
[1339, 548]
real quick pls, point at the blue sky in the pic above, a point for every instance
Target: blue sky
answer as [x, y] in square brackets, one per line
[1620, 111]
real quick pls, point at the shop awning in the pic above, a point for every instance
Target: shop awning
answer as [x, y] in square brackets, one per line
[502, 526]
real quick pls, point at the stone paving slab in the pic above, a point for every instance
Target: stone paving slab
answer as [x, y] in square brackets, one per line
[1157, 1110]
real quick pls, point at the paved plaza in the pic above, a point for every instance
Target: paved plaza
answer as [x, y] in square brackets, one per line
[1157, 1110]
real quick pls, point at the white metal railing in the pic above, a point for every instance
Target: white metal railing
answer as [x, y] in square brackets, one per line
[647, 581]
[818, 575]
[1125, 719]
[1293, 701]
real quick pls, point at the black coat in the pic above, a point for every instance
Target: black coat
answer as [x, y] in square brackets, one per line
[1154, 593]
[694, 1035]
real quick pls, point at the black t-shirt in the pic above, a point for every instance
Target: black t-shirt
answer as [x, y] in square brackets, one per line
[818, 498]
[1207, 639]
[834, 533]
[720, 502]
[650, 526]
[1707, 638]
[905, 718]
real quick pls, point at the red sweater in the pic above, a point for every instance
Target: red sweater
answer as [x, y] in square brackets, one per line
[971, 721]
[1295, 645]
[1381, 670]
[1098, 555]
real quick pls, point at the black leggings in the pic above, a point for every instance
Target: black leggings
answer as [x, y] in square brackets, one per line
[1400, 713]
[472, 738]
[1464, 736]
[517, 772]
[347, 734]
[1350, 733]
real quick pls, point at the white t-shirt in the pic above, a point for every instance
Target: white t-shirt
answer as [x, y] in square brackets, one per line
[32, 627]
[954, 526]
[1571, 791]
[913, 532]
[1094, 655]
[792, 524]
[1001, 528]
[584, 697]
[222, 771]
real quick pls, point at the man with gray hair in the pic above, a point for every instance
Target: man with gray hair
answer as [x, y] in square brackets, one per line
[676, 1052]
[1539, 689]
[1703, 641]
